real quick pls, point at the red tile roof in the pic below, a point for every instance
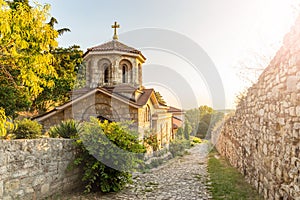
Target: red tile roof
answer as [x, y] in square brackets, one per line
[114, 45]
[175, 110]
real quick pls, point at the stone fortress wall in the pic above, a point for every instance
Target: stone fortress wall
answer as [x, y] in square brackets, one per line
[262, 138]
[36, 169]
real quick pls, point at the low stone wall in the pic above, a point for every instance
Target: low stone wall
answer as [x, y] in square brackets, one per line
[35, 169]
[262, 138]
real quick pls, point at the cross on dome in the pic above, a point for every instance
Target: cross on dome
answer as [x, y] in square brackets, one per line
[115, 26]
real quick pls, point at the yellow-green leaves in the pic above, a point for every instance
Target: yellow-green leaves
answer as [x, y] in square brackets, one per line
[4, 124]
[25, 43]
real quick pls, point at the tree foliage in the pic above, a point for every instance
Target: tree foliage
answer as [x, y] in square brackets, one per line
[5, 125]
[187, 130]
[67, 63]
[107, 154]
[13, 98]
[25, 59]
[35, 75]
[25, 44]
[160, 99]
[202, 120]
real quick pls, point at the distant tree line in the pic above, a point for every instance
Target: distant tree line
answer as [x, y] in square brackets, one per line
[202, 120]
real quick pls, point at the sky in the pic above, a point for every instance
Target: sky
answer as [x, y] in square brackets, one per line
[229, 35]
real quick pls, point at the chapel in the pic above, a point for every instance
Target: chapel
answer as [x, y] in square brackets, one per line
[114, 91]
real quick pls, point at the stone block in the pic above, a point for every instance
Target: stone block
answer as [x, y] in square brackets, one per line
[19, 194]
[297, 126]
[292, 111]
[298, 111]
[7, 197]
[38, 180]
[45, 189]
[1, 189]
[281, 121]
[291, 83]
[12, 186]
[29, 190]
[3, 170]
[20, 173]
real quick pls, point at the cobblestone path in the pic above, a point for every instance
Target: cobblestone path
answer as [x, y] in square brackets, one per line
[180, 178]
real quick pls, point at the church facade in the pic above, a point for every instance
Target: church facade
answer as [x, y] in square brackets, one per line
[114, 91]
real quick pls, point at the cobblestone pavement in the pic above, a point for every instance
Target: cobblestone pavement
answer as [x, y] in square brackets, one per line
[180, 178]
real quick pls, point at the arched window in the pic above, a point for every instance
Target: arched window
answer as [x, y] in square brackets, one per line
[106, 74]
[124, 73]
[125, 70]
[140, 74]
[103, 73]
[147, 114]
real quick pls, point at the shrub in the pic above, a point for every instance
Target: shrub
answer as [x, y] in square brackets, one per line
[196, 140]
[5, 126]
[27, 129]
[177, 147]
[107, 154]
[151, 140]
[66, 129]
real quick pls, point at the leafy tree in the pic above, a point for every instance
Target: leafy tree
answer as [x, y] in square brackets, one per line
[60, 31]
[205, 110]
[160, 99]
[13, 98]
[180, 133]
[13, 4]
[202, 120]
[202, 129]
[187, 130]
[25, 59]
[67, 63]
[193, 117]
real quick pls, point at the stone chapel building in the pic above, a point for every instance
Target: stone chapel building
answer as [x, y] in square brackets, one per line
[114, 91]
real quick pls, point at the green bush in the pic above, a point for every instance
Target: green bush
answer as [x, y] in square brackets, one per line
[27, 129]
[107, 154]
[177, 147]
[66, 129]
[151, 140]
[195, 140]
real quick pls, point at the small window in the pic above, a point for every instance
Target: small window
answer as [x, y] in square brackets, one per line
[106, 74]
[147, 114]
[124, 74]
[140, 74]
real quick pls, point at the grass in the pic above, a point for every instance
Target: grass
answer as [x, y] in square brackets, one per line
[227, 182]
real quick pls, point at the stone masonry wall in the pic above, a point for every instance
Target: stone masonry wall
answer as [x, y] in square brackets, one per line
[35, 169]
[95, 105]
[262, 138]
